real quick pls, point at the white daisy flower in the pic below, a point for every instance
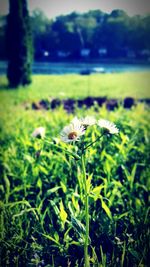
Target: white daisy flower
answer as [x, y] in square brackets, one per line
[72, 132]
[39, 132]
[75, 121]
[109, 126]
[88, 121]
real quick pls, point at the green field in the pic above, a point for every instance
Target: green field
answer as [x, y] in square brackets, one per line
[42, 212]
[63, 86]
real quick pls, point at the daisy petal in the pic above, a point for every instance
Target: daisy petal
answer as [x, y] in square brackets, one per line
[109, 126]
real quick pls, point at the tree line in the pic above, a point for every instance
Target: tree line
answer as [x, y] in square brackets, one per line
[92, 34]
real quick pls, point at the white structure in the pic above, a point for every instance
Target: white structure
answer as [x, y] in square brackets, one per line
[85, 52]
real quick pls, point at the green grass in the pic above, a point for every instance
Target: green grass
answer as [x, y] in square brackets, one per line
[41, 187]
[110, 85]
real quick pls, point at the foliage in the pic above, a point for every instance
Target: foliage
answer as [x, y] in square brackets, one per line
[19, 44]
[118, 33]
[42, 197]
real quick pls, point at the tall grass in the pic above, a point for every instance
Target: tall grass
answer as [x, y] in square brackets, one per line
[42, 194]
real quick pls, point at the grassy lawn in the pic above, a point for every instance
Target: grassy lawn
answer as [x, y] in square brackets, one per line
[110, 85]
[42, 190]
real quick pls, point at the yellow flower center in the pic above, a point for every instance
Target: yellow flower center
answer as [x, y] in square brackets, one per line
[72, 135]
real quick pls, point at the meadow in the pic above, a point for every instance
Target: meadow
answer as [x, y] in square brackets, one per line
[42, 212]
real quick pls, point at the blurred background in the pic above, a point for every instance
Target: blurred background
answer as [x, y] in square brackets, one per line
[110, 37]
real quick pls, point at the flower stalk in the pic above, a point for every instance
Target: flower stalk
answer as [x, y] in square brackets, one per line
[92, 143]
[70, 134]
[86, 203]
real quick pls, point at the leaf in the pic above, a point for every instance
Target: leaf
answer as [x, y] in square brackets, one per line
[107, 167]
[106, 209]
[118, 217]
[110, 158]
[43, 170]
[130, 177]
[63, 186]
[88, 182]
[51, 238]
[39, 183]
[124, 138]
[52, 190]
[26, 211]
[55, 207]
[2, 188]
[96, 192]
[78, 226]
[56, 235]
[133, 172]
[29, 158]
[63, 214]
[75, 203]
[123, 254]
[138, 203]
[23, 202]
[7, 186]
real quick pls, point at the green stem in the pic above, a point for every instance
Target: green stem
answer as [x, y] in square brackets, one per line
[86, 256]
[92, 142]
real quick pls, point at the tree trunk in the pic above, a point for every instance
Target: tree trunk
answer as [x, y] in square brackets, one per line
[19, 44]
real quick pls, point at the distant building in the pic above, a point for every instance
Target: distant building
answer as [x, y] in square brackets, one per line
[145, 53]
[46, 53]
[130, 54]
[85, 52]
[102, 51]
[63, 54]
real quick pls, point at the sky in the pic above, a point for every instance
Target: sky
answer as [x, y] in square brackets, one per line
[53, 8]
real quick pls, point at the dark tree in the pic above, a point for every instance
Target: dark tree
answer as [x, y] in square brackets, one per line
[19, 44]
